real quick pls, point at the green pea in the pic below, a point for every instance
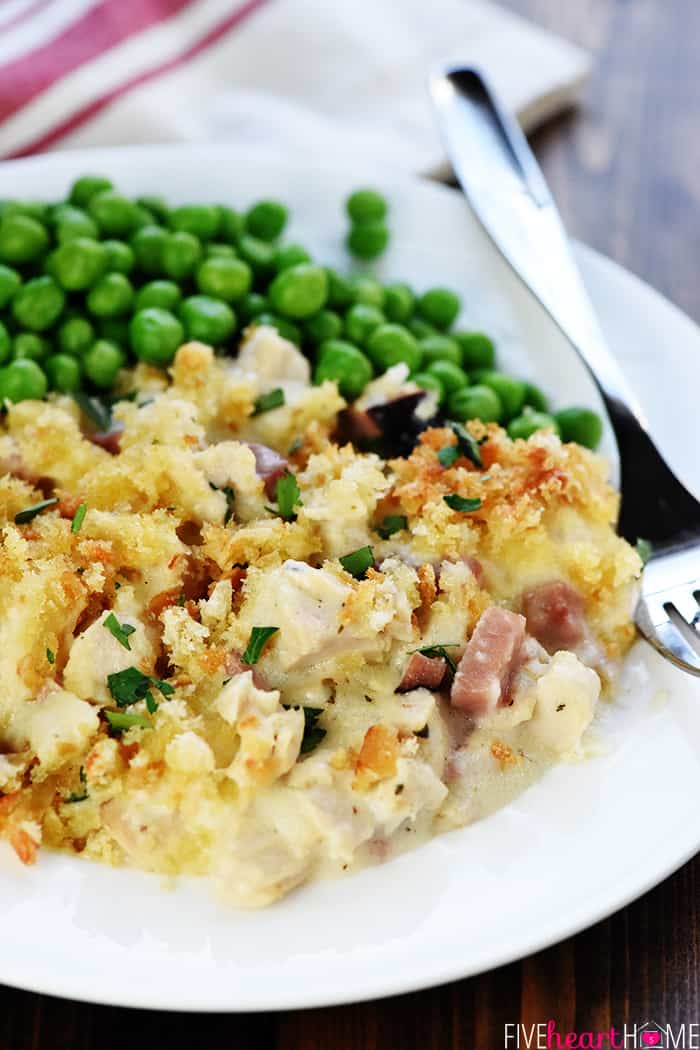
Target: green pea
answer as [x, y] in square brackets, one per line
[142, 217]
[157, 206]
[79, 263]
[38, 210]
[535, 398]
[390, 344]
[582, 425]
[439, 348]
[439, 306]
[214, 248]
[76, 335]
[450, 375]
[30, 345]
[476, 375]
[511, 392]
[290, 255]
[148, 245]
[38, 303]
[259, 254]
[284, 327]
[22, 380]
[63, 372]
[477, 349]
[207, 320]
[400, 302]
[430, 382]
[266, 220]
[22, 239]
[164, 294]
[251, 306]
[102, 362]
[10, 281]
[155, 334]
[224, 278]
[367, 240]
[84, 189]
[324, 325]
[300, 291]
[346, 365]
[475, 402]
[111, 296]
[529, 423]
[366, 205]
[367, 290]
[115, 214]
[340, 289]
[120, 257]
[361, 320]
[180, 255]
[72, 222]
[201, 220]
[5, 344]
[232, 223]
[420, 328]
[115, 330]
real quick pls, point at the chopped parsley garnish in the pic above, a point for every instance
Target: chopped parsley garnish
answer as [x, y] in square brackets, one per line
[121, 720]
[436, 651]
[121, 631]
[82, 795]
[273, 399]
[643, 549]
[78, 519]
[29, 513]
[462, 503]
[164, 688]
[358, 562]
[230, 499]
[288, 496]
[296, 446]
[256, 643]
[51, 656]
[131, 685]
[94, 409]
[313, 733]
[391, 524]
[448, 454]
[466, 444]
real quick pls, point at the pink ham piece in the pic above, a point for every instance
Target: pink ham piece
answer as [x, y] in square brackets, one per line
[269, 466]
[109, 440]
[427, 672]
[489, 661]
[554, 614]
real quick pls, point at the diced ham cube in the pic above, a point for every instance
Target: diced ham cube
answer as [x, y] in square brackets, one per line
[489, 661]
[427, 672]
[269, 466]
[109, 440]
[554, 614]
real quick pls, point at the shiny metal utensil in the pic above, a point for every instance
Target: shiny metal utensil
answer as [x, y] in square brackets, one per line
[506, 189]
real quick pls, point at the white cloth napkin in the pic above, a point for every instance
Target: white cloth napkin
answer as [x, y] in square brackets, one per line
[333, 75]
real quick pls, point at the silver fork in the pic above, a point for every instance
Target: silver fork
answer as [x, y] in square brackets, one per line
[509, 195]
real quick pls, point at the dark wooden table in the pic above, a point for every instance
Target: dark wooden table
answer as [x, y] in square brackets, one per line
[626, 172]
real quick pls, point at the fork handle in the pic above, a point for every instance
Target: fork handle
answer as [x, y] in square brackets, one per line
[507, 190]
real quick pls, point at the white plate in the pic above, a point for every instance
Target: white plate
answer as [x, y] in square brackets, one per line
[584, 841]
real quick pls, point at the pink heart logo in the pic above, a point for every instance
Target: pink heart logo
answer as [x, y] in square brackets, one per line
[651, 1038]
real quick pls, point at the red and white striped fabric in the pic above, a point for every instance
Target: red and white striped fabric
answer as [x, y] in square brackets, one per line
[63, 61]
[111, 72]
